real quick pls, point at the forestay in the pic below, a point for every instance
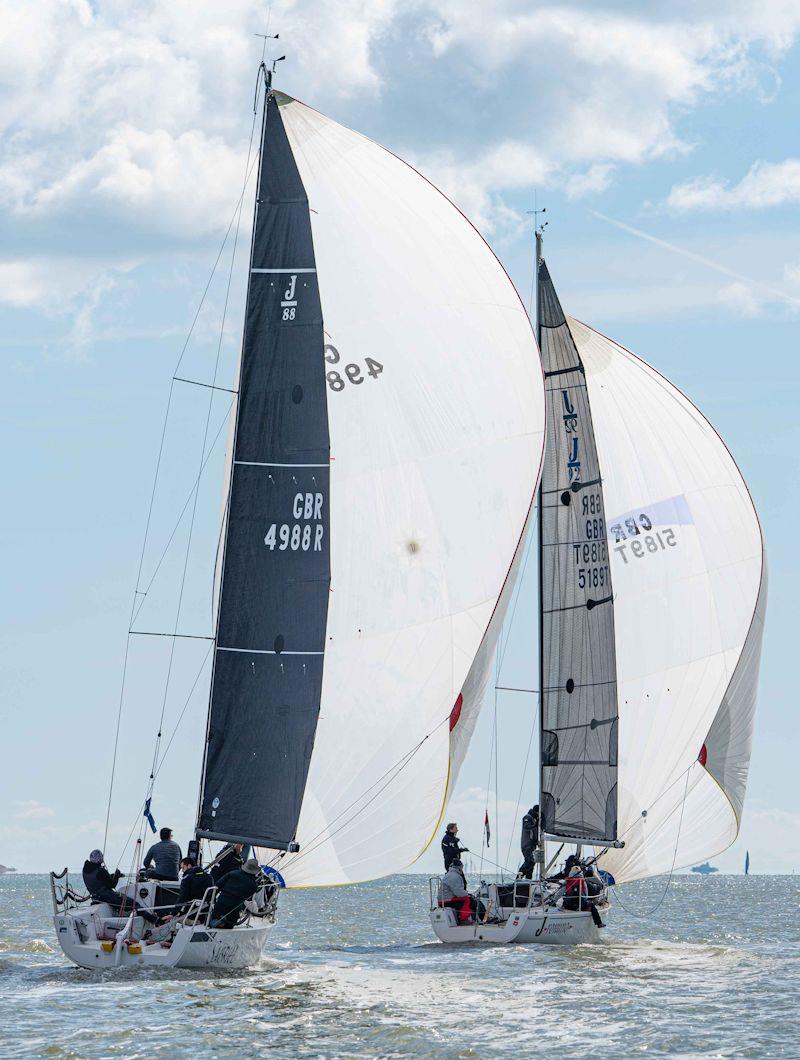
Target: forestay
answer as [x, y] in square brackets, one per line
[434, 406]
[689, 578]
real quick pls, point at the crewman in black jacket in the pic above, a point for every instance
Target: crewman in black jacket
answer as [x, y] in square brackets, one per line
[231, 859]
[529, 842]
[194, 884]
[100, 884]
[234, 890]
[451, 848]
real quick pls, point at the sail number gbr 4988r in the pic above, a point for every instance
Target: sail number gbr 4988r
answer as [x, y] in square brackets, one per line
[305, 533]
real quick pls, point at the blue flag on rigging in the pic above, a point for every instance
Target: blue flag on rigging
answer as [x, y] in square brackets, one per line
[149, 816]
[486, 828]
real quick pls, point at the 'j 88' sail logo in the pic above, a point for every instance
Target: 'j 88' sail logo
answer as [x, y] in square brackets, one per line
[570, 417]
[305, 533]
[289, 300]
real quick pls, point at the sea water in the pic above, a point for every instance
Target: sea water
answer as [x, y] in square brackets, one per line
[713, 971]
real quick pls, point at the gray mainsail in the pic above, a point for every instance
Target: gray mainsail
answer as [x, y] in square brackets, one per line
[270, 642]
[578, 678]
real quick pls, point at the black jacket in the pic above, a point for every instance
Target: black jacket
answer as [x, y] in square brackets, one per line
[451, 849]
[530, 832]
[229, 861]
[193, 885]
[234, 890]
[97, 878]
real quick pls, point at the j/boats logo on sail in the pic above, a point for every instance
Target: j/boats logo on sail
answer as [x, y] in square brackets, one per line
[289, 303]
[299, 536]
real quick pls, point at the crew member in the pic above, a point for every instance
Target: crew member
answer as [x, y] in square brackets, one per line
[529, 842]
[451, 848]
[230, 859]
[166, 855]
[234, 890]
[195, 881]
[101, 886]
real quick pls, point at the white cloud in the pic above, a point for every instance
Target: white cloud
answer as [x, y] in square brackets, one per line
[114, 107]
[75, 288]
[742, 299]
[765, 184]
[597, 88]
[476, 186]
[607, 85]
[51, 284]
[590, 182]
[119, 127]
[105, 105]
[151, 176]
[31, 810]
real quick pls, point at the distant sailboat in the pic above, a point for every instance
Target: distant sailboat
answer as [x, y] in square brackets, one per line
[747, 863]
[652, 593]
[385, 459]
[705, 869]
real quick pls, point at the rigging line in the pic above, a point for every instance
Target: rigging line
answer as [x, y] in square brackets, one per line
[507, 688]
[180, 636]
[402, 762]
[183, 711]
[657, 906]
[518, 592]
[155, 484]
[194, 505]
[169, 744]
[496, 765]
[489, 781]
[534, 720]
[503, 868]
[119, 721]
[143, 593]
[658, 798]
[248, 169]
[208, 386]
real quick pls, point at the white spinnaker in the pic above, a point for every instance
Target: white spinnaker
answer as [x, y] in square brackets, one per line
[689, 599]
[434, 464]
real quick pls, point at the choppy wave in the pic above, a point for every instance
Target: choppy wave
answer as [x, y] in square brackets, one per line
[356, 972]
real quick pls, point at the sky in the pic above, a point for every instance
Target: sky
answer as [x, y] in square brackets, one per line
[662, 140]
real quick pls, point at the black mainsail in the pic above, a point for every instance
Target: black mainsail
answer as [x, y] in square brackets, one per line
[275, 580]
[578, 679]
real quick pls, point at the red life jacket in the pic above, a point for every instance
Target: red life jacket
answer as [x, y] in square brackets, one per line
[576, 885]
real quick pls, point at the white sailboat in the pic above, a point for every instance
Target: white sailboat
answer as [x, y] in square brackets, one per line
[652, 598]
[386, 454]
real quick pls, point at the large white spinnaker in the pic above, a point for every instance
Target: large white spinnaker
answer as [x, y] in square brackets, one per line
[436, 419]
[689, 580]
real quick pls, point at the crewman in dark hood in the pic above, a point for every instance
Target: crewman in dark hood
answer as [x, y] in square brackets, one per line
[101, 886]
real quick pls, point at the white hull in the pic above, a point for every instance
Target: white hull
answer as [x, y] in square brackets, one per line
[190, 947]
[532, 912]
[553, 927]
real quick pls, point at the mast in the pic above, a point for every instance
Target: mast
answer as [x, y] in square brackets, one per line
[540, 867]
